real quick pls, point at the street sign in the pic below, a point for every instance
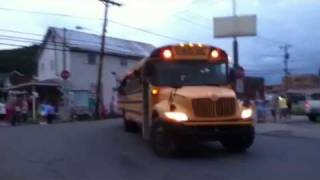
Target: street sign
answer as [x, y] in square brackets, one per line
[235, 26]
[65, 74]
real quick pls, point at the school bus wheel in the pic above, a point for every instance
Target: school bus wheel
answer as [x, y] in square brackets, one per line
[162, 141]
[129, 126]
[239, 142]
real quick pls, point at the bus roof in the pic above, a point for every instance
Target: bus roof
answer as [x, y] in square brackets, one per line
[189, 51]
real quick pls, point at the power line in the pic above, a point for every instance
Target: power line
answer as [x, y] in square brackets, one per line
[72, 39]
[97, 19]
[271, 40]
[20, 32]
[31, 40]
[13, 45]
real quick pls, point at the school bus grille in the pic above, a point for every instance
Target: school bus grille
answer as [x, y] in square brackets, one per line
[205, 107]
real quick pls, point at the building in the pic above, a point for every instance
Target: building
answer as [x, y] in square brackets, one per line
[78, 53]
[254, 87]
[274, 89]
[304, 81]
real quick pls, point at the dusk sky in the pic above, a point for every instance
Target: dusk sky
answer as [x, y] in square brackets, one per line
[161, 22]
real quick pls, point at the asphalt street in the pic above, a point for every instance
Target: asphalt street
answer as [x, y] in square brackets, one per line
[102, 150]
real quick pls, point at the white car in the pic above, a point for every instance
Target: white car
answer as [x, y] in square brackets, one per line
[312, 106]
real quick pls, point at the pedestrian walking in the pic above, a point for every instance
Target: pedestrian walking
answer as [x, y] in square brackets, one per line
[274, 107]
[47, 113]
[24, 110]
[289, 103]
[283, 106]
[50, 113]
[9, 111]
[17, 106]
[260, 110]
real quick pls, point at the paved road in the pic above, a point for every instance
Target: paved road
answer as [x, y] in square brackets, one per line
[101, 150]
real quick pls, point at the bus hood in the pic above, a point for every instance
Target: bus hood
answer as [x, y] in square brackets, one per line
[202, 92]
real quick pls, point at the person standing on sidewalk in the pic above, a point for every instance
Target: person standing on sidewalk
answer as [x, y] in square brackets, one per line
[283, 106]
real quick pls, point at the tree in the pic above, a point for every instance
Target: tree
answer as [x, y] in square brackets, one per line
[21, 59]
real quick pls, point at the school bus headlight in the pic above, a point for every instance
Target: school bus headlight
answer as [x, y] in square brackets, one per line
[177, 116]
[167, 54]
[215, 54]
[246, 113]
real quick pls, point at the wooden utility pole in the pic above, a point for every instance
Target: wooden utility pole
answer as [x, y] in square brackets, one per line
[100, 65]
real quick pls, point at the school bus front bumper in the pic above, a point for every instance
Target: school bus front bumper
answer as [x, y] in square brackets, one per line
[202, 130]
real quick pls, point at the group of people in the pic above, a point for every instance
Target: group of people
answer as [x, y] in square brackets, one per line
[18, 110]
[278, 106]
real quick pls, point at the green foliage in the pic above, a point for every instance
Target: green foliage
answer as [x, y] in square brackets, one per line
[22, 60]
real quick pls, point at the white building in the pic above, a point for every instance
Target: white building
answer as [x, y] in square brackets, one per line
[80, 58]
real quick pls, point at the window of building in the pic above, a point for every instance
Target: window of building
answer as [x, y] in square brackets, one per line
[92, 58]
[123, 62]
[80, 98]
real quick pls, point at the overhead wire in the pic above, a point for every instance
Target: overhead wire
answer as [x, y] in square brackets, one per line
[97, 19]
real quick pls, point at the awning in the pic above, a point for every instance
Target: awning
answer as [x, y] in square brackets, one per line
[30, 85]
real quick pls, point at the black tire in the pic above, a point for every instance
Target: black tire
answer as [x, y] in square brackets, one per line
[163, 142]
[312, 118]
[239, 142]
[129, 126]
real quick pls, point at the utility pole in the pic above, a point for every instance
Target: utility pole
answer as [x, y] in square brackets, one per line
[238, 84]
[285, 48]
[64, 49]
[235, 41]
[100, 65]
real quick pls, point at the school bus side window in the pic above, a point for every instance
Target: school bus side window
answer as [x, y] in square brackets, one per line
[121, 89]
[132, 85]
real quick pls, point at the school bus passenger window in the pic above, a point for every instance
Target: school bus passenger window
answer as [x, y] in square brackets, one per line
[132, 85]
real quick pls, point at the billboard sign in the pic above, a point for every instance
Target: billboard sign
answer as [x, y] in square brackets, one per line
[235, 26]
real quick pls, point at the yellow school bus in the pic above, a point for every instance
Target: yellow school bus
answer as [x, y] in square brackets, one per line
[182, 93]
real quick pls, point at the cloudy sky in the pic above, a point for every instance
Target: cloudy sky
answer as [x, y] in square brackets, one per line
[159, 22]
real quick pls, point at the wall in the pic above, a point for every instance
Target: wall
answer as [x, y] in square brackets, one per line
[84, 75]
[50, 62]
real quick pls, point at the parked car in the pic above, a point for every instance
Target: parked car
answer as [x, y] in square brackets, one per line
[312, 106]
[297, 103]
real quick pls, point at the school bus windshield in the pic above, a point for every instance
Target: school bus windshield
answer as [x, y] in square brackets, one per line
[188, 73]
